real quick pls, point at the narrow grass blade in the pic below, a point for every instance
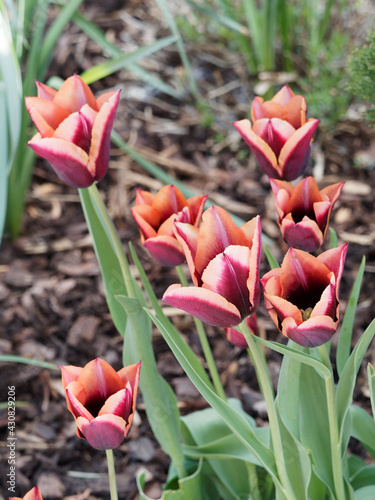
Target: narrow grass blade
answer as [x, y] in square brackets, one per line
[108, 67]
[371, 385]
[8, 358]
[346, 331]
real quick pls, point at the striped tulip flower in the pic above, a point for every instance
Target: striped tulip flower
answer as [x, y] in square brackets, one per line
[304, 211]
[236, 338]
[223, 260]
[280, 136]
[155, 216]
[302, 296]
[33, 494]
[74, 130]
[102, 401]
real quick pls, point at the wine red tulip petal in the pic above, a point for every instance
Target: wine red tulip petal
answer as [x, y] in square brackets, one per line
[75, 129]
[295, 153]
[75, 93]
[105, 432]
[69, 161]
[274, 132]
[283, 308]
[264, 154]
[187, 235]
[311, 333]
[119, 404]
[334, 260]
[304, 195]
[165, 250]
[328, 303]
[305, 235]
[227, 275]
[203, 304]
[101, 136]
[196, 205]
[106, 97]
[45, 114]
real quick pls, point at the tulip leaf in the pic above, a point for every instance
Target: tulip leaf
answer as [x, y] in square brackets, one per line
[108, 260]
[235, 420]
[346, 331]
[365, 476]
[271, 259]
[308, 359]
[363, 428]
[371, 385]
[366, 493]
[346, 384]
[11, 358]
[106, 68]
[191, 487]
[211, 434]
[334, 243]
[160, 401]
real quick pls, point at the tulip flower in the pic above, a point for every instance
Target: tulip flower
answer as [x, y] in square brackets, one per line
[33, 494]
[224, 261]
[280, 137]
[304, 211]
[155, 216]
[74, 130]
[302, 296]
[236, 338]
[102, 401]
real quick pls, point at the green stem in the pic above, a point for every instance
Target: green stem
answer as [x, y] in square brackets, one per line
[253, 481]
[111, 475]
[336, 458]
[267, 391]
[114, 238]
[205, 346]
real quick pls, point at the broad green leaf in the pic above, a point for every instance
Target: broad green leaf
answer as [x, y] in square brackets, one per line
[366, 493]
[371, 386]
[190, 487]
[363, 428]
[160, 401]
[365, 476]
[108, 260]
[235, 420]
[207, 427]
[346, 331]
[108, 67]
[346, 384]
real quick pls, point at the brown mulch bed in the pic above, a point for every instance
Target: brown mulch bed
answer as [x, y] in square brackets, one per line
[51, 294]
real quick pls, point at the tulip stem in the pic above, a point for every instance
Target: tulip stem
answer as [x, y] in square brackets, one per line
[113, 236]
[338, 477]
[205, 346]
[111, 475]
[265, 384]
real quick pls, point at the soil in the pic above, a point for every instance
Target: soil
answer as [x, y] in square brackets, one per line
[51, 294]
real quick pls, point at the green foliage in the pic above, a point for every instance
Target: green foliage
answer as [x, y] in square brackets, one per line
[361, 70]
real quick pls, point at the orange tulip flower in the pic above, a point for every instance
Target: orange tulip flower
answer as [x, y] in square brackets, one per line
[304, 211]
[155, 216]
[280, 137]
[102, 401]
[74, 130]
[224, 265]
[302, 296]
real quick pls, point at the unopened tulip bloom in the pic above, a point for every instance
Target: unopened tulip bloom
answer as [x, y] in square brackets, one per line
[223, 260]
[74, 130]
[304, 211]
[302, 296]
[155, 216]
[102, 401]
[33, 494]
[236, 338]
[280, 137]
